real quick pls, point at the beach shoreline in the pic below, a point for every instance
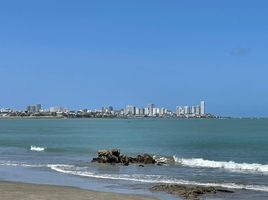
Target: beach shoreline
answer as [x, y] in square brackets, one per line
[27, 191]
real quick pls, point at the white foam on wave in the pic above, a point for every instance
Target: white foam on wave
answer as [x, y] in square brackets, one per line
[232, 166]
[167, 160]
[19, 164]
[35, 148]
[72, 170]
[159, 179]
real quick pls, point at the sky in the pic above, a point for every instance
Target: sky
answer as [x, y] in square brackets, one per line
[89, 54]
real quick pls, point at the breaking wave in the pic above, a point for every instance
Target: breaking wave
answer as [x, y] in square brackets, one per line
[35, 148]
[232, 166]
[160, 159]
[153, 179]
[72, 170]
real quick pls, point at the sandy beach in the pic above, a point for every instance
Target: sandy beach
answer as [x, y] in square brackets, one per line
[23, 191]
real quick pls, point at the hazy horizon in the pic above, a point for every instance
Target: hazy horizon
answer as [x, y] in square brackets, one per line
[81, 54]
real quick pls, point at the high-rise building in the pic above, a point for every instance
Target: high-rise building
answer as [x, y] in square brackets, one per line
[156, 111]
[34, 108]
[180, 110]
[129, 110]
[202, 108]
[142, 111]
[146, 111]
[163, 111]
[137, 111]
[38, 107]
[151, 109]
[186, 110]
[197, 110]
[193, 109]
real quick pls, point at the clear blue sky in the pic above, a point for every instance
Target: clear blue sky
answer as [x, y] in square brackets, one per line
[90, 54]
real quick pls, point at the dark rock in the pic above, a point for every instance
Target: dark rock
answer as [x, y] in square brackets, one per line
[147, 159]
[124, 159]
[107, 156]
[114, 156]
[188, 192]
[115, 152]
[139, 159]
[131, 160]
[141, 165]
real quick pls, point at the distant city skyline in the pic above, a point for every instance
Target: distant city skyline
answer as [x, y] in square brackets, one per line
[38, 107]
[89, 53]
[151, 110]
[88, 106]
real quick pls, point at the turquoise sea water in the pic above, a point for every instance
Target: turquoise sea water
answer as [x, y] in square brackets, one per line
[230, 152]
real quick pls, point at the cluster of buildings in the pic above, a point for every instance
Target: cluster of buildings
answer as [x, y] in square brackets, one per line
[191, 111]
[34, 108]
[37, 108]
[197, 111]
[151, 111]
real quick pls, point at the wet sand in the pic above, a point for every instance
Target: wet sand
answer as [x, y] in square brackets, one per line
[24, 191]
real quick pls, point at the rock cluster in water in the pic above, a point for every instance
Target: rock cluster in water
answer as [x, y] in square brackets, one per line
[188, 192]
[114, 156]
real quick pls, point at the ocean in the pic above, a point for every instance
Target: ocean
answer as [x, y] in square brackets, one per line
[231, 153]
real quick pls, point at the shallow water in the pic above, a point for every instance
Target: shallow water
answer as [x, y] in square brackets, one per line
[231, 153]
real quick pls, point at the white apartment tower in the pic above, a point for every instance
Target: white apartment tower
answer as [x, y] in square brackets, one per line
[202, 108]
